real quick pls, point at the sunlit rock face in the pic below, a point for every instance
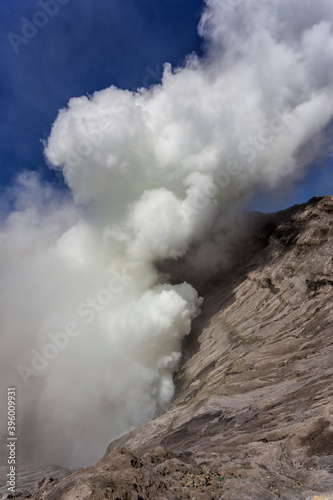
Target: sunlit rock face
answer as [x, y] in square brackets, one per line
[254, 393]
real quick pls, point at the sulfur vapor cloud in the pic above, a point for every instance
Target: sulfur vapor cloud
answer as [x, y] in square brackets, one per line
[91, 331]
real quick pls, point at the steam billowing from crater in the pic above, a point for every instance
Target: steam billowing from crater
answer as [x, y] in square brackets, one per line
[91, 330]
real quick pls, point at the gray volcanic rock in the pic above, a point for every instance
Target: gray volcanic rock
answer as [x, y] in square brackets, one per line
[158, 475]
[28, 477]
[254, 392]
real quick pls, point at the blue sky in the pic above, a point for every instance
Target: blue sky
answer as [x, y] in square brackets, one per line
[86, 46]
[318, 181]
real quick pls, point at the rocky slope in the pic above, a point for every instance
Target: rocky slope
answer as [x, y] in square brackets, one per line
[253, 414]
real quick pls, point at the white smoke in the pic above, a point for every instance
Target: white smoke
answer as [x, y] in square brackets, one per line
[91, 331]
